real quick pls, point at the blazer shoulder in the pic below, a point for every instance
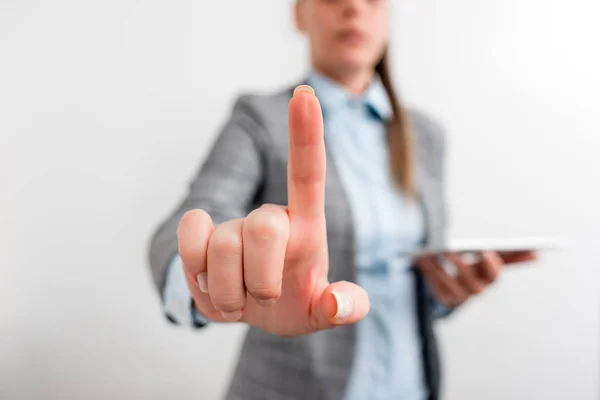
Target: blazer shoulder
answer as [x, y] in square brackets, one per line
[429, 132]
[268, 110]
[427, 124]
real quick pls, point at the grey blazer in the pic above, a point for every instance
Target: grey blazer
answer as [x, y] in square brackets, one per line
[246, 167]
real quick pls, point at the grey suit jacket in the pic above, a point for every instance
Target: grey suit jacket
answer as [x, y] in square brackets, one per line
[248, 167]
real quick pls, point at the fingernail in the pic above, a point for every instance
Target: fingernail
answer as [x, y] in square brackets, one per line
[266, 302]
[304, 88]
[202, 282]
[345, 305]
[449, 268]
[233, 316]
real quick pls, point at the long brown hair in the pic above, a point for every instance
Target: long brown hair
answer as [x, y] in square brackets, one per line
[400, 138]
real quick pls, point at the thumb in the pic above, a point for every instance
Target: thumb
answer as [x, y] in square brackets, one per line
[342, 303]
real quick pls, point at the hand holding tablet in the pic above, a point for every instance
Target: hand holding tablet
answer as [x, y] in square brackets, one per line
[466, 267]
[500, 245]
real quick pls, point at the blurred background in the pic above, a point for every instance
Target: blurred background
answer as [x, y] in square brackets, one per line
[107, 109]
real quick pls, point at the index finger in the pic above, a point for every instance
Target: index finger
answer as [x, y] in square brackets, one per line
[306, 159]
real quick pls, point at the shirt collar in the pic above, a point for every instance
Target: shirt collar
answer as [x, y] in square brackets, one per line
[332, 95]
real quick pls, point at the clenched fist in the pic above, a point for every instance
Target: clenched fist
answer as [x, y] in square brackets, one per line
[270, 268]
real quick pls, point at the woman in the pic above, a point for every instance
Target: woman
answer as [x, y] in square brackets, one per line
[233, 251]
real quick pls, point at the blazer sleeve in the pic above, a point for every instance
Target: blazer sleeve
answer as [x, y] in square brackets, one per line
[225, 186]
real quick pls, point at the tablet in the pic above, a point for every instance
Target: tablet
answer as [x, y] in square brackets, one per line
[474, 245]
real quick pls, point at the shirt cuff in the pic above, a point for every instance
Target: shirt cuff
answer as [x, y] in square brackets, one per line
[440, 310]
[177, 300]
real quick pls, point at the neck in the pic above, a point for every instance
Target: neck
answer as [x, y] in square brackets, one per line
[354, 81]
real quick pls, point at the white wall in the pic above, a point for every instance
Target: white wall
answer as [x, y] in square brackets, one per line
[106, 109]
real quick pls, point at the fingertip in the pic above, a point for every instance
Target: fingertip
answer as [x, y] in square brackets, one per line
[344, 303]
[192, 219]
[233, 316]
[305, 117]
[304, 89]
[266, 302]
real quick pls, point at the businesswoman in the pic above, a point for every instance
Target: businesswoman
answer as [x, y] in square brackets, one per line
[314, 259]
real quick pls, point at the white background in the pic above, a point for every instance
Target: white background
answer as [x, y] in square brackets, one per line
[107, 108]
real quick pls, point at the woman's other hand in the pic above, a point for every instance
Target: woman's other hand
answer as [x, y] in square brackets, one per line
[453, 279]
[269, 269]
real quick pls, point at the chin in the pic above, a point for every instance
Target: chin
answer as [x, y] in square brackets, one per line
[353, 61]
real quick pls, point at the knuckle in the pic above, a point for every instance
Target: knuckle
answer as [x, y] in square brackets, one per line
[225, 242]
[191, 225]
[192, 219]
[191, 238]
[266, 225]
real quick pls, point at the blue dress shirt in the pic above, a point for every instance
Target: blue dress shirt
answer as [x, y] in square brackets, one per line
[388, 362]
